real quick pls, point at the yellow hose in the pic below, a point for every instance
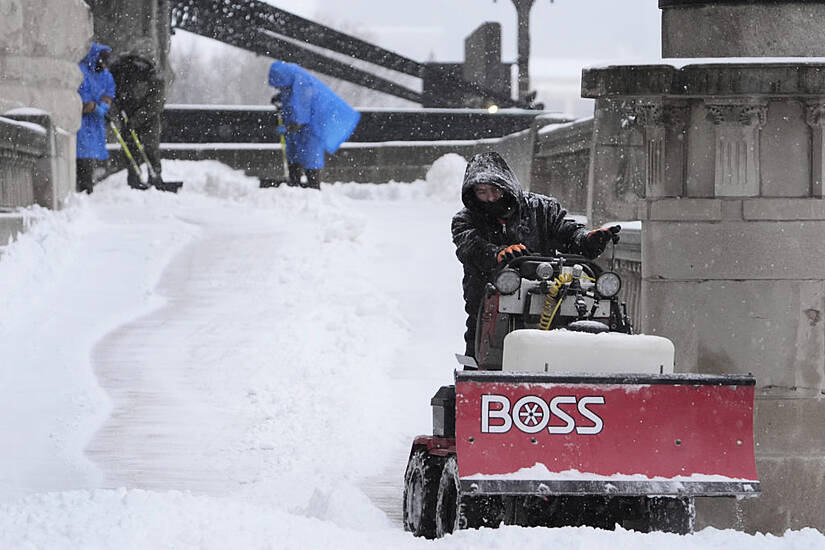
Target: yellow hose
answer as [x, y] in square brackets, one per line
[551, 305]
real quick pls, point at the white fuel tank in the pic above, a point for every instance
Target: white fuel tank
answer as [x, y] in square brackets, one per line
[531, 350]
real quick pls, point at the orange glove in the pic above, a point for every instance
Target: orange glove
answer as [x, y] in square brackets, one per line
[596, 241]
[511, 252]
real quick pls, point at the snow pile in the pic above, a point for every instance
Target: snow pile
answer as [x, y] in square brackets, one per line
[442, 183]
[138, 519]
[445, 178]
[33, 263]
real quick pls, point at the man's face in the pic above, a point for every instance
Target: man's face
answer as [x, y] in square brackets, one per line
[102, 61]
[486, 192]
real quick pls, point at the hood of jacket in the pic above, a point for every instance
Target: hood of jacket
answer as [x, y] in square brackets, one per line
[492, 169]
[90, 60]
[282, 74]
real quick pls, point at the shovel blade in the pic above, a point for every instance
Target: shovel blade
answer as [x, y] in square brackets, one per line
[169, 186]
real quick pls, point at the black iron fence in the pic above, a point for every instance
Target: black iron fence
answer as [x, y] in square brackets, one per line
[251, 124]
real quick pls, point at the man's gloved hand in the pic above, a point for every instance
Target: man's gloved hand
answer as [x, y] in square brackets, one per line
[290, 128]
[509, 253]
[101, 109]
[89, 107]
[596, 241]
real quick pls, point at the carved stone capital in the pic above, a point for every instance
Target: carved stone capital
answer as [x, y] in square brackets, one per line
[660, 114]
[648, 114]
[815, 113]
[677, 115]
[738, 113]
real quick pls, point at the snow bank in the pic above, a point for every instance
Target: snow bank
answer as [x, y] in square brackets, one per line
[442, 183]
[138, 519]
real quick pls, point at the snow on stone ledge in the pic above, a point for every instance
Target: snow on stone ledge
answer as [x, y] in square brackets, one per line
[22, 124]
[679, 63]
[27, 111]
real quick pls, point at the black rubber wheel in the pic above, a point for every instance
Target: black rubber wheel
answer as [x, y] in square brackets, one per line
[669, 514]
[456, 511]
[420, 493]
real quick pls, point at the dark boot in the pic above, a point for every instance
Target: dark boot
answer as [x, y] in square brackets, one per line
[314, 179]
[134, 181]
[294, 174]
[85, 175]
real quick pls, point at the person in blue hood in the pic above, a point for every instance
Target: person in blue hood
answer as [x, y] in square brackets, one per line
[96, 92]
[316, 121]
[500, 221]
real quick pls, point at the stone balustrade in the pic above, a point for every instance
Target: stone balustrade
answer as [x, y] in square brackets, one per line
[22, 146]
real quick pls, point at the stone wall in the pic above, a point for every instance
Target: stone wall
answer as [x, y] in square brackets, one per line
[726, 28]
[40, 46]
[561, 164]
[731, 156]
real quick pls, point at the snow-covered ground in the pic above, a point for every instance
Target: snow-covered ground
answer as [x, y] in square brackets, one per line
[234, 367]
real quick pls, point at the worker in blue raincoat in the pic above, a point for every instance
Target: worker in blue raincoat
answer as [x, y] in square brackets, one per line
[315, 120]
[96, 92]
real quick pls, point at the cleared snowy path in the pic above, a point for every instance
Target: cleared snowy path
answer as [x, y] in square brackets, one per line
[255, 300]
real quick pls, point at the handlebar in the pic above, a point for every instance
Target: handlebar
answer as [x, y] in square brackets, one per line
[558, 259]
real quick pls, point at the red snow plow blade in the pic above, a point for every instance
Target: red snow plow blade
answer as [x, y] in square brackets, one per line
[676, 434]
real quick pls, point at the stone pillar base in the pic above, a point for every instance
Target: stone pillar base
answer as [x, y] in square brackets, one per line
[790, 460]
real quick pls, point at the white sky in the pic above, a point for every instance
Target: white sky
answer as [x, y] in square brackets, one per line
[566, 35]
[583, 29]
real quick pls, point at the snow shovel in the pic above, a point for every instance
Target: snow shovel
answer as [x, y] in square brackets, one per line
[132, 163]
[154, 179]
[265, 183]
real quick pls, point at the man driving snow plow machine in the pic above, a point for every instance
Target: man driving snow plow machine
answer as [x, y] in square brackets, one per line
[561, 416]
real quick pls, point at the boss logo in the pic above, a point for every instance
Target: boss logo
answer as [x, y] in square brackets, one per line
[532, 414]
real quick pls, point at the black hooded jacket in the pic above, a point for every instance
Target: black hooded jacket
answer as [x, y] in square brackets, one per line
[536, 221]
[140, 90]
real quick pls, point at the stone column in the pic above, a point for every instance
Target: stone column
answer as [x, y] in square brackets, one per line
[736, 28]
[664, 125]
[815, 117]
[40, 46]
[617, 177]
[483, 66]
[733, 259]
[737, 123]
[523, 8]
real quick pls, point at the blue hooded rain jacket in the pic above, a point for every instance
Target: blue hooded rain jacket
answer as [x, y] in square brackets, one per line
[326, 118]
[91, 138]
